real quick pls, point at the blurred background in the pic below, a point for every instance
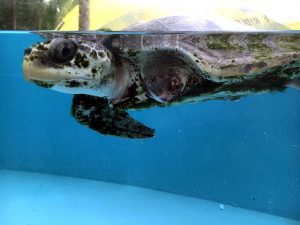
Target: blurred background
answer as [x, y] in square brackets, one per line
[119, 14]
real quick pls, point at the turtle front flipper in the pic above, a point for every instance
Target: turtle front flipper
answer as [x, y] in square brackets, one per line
[97, 114]
[168, 75]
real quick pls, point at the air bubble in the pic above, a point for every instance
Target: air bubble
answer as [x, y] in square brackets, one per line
[221, 207]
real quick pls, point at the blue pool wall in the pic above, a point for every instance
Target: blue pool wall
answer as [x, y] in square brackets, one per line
[245, 153]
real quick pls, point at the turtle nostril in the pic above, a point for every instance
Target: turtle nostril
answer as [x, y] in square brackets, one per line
[27, 51]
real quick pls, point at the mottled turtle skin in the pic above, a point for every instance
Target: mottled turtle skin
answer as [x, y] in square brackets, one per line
[112, 72]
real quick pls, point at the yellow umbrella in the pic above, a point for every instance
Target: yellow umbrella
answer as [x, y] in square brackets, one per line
[118, 14]
[112, 14]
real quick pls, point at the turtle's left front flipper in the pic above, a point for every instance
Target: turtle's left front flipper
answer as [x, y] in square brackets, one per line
[97, 114]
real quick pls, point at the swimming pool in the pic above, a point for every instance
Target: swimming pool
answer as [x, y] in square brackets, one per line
[219, 155]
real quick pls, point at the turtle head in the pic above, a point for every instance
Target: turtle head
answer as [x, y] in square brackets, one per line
[70, 66]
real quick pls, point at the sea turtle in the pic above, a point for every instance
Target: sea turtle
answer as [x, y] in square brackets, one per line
[110, 72]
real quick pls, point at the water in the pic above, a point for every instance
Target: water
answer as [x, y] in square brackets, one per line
[236, 154]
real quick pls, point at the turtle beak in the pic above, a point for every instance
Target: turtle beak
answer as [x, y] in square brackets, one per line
[26, 70]
[37, 68]
[32, 71]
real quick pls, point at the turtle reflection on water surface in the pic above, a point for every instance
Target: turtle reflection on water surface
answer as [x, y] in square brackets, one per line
[111, 73]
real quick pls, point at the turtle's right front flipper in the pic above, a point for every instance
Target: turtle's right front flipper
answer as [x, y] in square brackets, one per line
[97, 114]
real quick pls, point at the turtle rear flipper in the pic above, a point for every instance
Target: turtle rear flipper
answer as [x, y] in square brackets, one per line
[97, 114]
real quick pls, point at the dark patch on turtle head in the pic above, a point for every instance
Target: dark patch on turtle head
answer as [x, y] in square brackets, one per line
[43, 84]
[81, 60]
[72, 84]
[93, 54]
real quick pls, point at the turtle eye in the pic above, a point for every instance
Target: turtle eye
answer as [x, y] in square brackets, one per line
[62, 50]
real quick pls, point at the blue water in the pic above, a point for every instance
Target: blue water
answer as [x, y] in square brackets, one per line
[244, 153]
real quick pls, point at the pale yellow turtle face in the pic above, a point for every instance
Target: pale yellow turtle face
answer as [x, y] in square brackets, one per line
[69, 66]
